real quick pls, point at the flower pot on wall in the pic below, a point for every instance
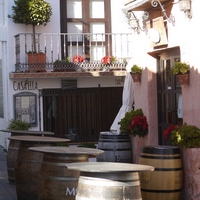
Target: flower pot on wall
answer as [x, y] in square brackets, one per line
[183, 79]
[36, 62]
[136, 77]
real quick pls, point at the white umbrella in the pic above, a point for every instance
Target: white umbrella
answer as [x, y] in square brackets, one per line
[127, 99]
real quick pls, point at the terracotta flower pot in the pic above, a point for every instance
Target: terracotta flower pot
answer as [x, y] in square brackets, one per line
[136, 77]
[183, 79]
[36, 62]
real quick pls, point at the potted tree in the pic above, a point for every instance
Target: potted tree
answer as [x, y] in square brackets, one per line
[136, 72]
[187, 137]
[35, 13]
[181, 70]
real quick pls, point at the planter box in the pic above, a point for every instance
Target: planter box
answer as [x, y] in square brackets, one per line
[36, 62]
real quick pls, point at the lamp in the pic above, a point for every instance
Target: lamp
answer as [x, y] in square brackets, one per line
[171, 18]
[135, 22]
[185, 5]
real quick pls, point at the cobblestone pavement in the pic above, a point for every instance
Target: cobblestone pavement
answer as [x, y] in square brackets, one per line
[7, 190]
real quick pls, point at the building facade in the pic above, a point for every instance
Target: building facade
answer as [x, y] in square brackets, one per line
[70, 98]
[166, 33]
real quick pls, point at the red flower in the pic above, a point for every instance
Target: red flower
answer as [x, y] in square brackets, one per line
[107, 60]
[78, 59]
[168, 131]
[138, 124]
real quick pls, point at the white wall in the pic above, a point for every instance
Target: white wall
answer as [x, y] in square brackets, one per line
[118, 26]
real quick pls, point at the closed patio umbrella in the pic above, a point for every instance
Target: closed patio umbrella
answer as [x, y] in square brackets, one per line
[127, 99]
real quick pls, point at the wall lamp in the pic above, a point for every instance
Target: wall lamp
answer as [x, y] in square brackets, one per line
[171, 18]
[135, 22]
[185, 6]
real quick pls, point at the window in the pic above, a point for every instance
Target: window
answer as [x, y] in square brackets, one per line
[25, 107]
[83, 17]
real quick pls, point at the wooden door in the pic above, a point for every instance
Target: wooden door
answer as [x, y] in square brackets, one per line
[169, 95]
[80, 114]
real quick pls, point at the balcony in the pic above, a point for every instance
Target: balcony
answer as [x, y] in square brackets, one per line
[56, 52]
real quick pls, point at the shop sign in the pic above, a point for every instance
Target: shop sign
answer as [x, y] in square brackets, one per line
[25, 85]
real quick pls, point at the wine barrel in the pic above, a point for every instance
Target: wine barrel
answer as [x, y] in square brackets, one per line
[124, 186]
[28, 164]
[13, 150]
[55, 180]
[165, 182]
[117, 148]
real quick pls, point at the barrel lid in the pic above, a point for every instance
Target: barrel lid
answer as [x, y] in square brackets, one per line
[67, 150]
[107, 167]
[161, 149]
[28, 132]
[30, 138]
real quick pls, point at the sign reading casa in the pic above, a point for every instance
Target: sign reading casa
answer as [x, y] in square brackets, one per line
[25, 85]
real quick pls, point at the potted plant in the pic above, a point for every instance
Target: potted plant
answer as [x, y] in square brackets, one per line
[134, 123]
[78, 61]
[136, 72]
[187, 137]
[18, 125]
[107, 61]
[35, 13]
[63, 65]
[181, 70]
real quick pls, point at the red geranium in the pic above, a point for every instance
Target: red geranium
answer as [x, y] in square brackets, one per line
[78, 59]
[168, 131]
[138, 125]
[108, 60]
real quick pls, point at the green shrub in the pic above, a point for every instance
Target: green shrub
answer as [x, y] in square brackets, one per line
[180, 68]
[134, 123]
[18, 125]
[136, 69]
[186, 136]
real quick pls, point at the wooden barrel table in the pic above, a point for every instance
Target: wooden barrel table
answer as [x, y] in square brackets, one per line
[55, 180]
[166, 180]
[28, 164]
[13, 149]
[108, 180]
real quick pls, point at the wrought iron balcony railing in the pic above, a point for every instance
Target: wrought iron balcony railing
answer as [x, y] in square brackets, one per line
[55, 51]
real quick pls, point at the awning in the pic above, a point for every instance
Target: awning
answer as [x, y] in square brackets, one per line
[157, 52]
[142, 5]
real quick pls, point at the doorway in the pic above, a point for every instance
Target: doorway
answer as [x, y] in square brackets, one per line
[169, 94]
[80, 114]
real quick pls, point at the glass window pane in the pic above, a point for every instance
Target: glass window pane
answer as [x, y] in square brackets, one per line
[97, 9]
[97, 28]
[76, 28]
[74, 8]
[97, 53]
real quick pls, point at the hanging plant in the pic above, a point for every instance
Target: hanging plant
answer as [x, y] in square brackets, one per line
[134, 123]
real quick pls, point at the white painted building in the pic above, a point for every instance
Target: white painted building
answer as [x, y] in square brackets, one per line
[13, 83]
